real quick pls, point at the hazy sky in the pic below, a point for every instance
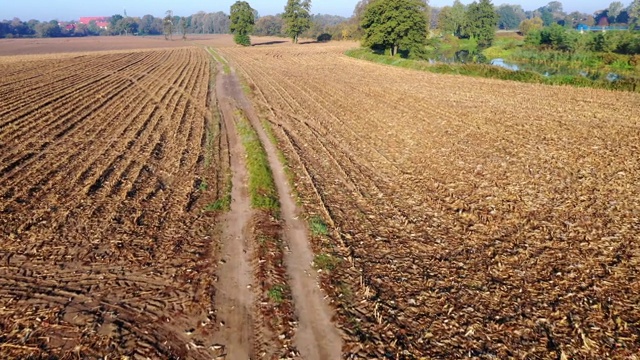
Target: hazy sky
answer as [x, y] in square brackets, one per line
[73, 9]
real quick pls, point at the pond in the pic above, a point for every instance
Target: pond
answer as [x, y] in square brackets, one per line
[546, 71]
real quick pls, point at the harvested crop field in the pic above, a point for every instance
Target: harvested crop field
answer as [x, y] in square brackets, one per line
[468, 217]
[16, 47]
[106, 162]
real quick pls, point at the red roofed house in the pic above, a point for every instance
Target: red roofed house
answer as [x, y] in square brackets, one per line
[101, 21]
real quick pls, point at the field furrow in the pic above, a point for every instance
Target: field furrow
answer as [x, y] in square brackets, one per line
[473, 217]
[99, 237]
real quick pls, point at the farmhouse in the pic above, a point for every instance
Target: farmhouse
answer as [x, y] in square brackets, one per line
[101, 21]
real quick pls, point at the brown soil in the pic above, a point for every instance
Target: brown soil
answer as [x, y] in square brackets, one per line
[235, 304]
[53, 46]
[316, 337]
[474, 217]
[106, 164]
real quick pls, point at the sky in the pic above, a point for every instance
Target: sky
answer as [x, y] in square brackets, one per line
[65, 10]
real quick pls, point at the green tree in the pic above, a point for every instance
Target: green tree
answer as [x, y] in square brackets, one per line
[113, 21]
[269, 25]
[547, 17]
[451, 20]
[126, 25]
[634, 12]
[482, 21]
[242, 21]
[296, 18]
[510, 16]
[615, 8]
[395, 25]
[529, 25]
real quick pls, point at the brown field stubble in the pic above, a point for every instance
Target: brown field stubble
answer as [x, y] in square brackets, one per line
[106, 162]
[475, 217]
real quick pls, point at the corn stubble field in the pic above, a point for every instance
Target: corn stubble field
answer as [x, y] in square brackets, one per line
[105, 248]
[476, 217]
[467, 217]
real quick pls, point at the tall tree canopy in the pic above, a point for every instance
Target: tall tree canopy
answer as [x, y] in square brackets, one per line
[510, 16]
[634, 12]
[452, 19]
[242, 21]
[481, 23]
[296, 18]
[168, 25]
[395, 25]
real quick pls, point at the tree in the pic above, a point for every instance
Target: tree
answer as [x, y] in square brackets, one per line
[481, 22]
[615, 8]
[634, 12]
[113, 21]
[126, 25]
[48, 29]
[395, 25]
[296, 18]
[184, 23]
[555, 7]
[529, 25]
[242, 21]
[269, 25]
[510, 16]
[452, 19]
[168, 25]
[547, 18]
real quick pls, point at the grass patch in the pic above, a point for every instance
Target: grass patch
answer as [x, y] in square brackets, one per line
[262, 187]
[318, 227]
[276, 293]
[223, 204]
[281, 156]
[203, 186]
[225, 65]
[325, 262]
[494, 72]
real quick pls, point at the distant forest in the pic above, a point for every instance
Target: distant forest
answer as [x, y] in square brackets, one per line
[511, 17]
[199, 23]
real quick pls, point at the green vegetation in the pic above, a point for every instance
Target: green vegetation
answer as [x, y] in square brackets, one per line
[222, 204]
[203, 186]
[481, 22]
[325, 262]
[225, 65]
[529, 25]
[489, 71]
[452, 19]
[262, 187]
[296, 18]
[242, 21]
[318, 226]
[276, 293]
[478, 21]
[556, 37]
[395, 26]
[510, 16]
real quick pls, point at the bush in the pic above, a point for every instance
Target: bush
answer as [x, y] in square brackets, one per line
[324, 37]
[243, 40]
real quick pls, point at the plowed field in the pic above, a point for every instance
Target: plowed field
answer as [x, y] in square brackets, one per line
[473, 217]
[106, 162]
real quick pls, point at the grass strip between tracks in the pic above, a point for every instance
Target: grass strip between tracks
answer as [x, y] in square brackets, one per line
[225, 65]
[262, 187]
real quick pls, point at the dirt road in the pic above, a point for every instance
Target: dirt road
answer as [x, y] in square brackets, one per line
[316, 336]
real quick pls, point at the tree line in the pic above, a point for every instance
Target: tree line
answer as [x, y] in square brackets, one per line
[199, 23]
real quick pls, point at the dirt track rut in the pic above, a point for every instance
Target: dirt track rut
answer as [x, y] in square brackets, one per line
[316, 337]
[235, 298]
